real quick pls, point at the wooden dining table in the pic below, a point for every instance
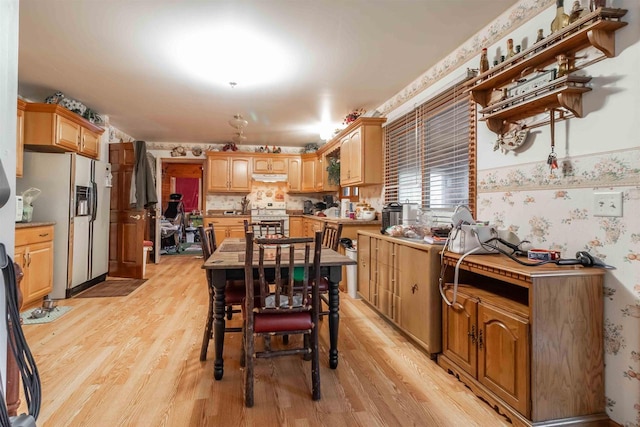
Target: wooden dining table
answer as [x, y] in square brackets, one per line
[227, 263]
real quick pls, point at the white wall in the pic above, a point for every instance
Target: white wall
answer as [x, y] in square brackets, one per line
[516, 189]
[8, 98]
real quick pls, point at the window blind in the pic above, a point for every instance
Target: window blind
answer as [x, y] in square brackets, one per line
[430, 153]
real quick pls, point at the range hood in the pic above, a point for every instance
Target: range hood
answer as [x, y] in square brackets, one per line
[269, 177]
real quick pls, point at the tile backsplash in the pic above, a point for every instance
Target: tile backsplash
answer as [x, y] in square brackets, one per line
[261, 194]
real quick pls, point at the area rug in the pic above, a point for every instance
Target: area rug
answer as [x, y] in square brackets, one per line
[50, 317]
[112, 288]
[192, 249]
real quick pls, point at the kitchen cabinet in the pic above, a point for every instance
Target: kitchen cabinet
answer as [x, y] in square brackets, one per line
[491, 88]
[89, 143]
[361, 153]
[295, 226]
[270, 164]
[399, 279]
[34, 254]
[52, 128]
[323, 180]
[228, 173]
[230, 226]
[510, 327]
[309, 162]
[294, 174]
[20, 137]
[489, 343]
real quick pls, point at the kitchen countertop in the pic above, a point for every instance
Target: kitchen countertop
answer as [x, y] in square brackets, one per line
[344, 221]
[221, 214]
[33, 224]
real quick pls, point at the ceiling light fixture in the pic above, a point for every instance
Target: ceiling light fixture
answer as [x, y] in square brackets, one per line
[238, 122]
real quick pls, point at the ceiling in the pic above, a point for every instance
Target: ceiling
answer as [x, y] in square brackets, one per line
[161, 69]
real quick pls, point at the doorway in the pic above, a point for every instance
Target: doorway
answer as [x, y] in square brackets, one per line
[183, 178]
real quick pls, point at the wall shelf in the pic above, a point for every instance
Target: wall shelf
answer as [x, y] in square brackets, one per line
[596, 29]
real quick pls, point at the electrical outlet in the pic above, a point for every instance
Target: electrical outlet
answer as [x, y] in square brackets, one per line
[607, 204]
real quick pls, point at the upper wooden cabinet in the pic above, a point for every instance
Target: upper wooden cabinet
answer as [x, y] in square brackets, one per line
[270, 164]
[20, 137]
[323, 180]
[294, 174]
[491, 90]
[361, 152]
[309, 162]
[52, 128]
[89, 143]
[228, 173]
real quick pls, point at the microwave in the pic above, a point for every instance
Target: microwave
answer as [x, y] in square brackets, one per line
[19, 208]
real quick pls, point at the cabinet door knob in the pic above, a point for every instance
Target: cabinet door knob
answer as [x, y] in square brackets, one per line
[43, 234]
[136, 217]
[480, 341]
[414, 288]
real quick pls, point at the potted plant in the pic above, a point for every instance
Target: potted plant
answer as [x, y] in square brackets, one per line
[333, 168]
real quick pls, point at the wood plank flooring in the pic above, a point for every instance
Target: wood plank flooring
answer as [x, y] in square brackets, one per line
[133, 361]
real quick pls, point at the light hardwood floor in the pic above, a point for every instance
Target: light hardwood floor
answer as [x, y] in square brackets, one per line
[133, 361]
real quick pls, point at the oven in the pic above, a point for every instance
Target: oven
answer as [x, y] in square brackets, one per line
[274, 211]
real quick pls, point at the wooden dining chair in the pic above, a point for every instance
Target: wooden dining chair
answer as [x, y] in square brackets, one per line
[265, 228]
[279, 309]
[233, 295]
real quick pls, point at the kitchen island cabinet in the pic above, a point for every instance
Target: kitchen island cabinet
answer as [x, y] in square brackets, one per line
[399, 279]
[527, 340]
[34, 254]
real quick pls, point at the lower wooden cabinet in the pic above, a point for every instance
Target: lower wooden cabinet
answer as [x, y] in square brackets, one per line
[489, 343]
[295, 226]
[527, 340]
[34, 254]
[223, 227]
[400, 280]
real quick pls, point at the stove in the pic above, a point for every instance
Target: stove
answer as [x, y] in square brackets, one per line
[271, 211]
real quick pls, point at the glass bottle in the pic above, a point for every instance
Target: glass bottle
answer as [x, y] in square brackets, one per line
[595, 4]
[561, 20]
[510, 51]
[484, 61]
[540, 35]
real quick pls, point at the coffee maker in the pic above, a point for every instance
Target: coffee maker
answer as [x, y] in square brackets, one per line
[391, 215]
[308, 207]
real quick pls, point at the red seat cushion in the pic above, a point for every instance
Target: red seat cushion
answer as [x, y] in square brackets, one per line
[234, 294]
[147, 243]
[282, 322]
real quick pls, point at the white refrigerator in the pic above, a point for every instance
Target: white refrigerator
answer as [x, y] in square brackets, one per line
[76, 196]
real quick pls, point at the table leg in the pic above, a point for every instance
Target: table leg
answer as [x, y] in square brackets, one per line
[219, 280]
[335, 275]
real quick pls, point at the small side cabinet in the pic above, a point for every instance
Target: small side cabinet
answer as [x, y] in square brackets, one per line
[34, 254]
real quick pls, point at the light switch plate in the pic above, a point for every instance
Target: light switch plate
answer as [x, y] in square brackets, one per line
[607, 203]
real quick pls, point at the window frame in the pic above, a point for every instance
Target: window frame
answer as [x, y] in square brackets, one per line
[410, 128]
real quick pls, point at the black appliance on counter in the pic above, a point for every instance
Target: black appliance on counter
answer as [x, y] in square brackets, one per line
[391, 215]
[308, 207]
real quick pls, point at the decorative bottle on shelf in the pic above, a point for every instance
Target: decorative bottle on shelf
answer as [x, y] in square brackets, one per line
[484, 61]
[595, 4]
[561, 20]
[510, 51]
[540, 36]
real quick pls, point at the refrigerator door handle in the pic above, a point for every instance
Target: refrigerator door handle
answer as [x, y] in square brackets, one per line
[94, 205]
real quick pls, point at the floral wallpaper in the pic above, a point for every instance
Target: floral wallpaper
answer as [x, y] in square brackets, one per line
[555, 211]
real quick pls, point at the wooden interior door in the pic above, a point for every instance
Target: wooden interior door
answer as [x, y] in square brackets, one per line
[126, 225]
